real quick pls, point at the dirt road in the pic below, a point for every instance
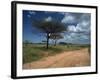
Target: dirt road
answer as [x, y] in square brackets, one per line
[65, 59]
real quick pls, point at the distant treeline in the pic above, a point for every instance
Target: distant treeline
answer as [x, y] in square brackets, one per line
[60, 43]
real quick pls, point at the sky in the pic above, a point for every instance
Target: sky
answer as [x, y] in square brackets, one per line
[78, 24]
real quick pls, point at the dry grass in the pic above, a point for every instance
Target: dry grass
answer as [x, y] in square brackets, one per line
[75, 58]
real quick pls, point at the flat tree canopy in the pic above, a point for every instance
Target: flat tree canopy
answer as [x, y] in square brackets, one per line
[49, 27]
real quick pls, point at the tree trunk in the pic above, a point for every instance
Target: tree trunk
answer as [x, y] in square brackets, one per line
[55, 43]
[47, 40]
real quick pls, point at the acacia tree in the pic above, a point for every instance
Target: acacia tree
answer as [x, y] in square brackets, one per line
[49, 27]
[56, 37]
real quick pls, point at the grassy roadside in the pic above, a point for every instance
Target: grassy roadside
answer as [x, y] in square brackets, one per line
[33, 52]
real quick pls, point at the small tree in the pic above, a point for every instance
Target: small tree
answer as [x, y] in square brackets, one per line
[56, 37]
[49, 27]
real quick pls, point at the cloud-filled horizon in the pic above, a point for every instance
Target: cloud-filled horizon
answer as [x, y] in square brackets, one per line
[78, 25]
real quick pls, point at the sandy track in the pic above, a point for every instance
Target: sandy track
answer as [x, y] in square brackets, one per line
[65, 59]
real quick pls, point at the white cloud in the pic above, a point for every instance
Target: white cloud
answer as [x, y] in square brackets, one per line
[86, 16]
[29, 16]
[85, 37]
[72, 28]
[48, 18]
[32, 12]
[76, 38]
[68, 18]
[83, 24]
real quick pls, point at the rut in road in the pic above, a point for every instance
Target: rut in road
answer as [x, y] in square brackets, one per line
[65, 59]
